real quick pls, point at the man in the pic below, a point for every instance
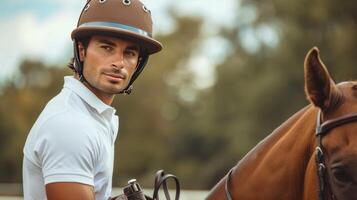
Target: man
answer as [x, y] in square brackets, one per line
[69, 151]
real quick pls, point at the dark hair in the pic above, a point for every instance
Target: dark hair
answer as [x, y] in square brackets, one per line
[85, 41]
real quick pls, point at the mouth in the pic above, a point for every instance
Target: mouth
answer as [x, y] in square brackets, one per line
[115, 77]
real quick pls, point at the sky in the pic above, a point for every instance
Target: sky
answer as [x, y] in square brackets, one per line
[40, 29]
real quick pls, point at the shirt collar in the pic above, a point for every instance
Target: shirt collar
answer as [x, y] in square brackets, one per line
[86, 95]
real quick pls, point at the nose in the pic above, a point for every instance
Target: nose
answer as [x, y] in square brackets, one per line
[118, 60]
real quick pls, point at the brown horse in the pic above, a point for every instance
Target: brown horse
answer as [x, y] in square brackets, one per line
[285, 165]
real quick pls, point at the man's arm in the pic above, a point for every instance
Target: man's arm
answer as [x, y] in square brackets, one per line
[69, 191]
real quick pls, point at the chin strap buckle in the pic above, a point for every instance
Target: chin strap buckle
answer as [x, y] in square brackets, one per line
[128, 90]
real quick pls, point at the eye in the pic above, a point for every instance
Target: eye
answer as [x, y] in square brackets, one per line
[107, 48]
[131, 53]
[341, 175]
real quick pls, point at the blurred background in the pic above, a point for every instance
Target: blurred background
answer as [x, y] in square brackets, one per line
[231, 72]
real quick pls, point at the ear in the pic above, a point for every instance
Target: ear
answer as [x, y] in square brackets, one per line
[81, 51]
[320, 89]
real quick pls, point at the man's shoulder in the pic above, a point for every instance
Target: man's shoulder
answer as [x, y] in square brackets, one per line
[59, 127]
[62, 121]
[67, 121]
[62, 130]
[64, 108]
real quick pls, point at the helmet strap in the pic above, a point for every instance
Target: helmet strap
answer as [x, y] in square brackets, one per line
[127, 90]
[78, 65]
[139, 68]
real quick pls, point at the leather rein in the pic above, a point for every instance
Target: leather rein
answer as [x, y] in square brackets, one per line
[321, 130]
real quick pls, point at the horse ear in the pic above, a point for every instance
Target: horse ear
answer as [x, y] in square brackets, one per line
[319, 87]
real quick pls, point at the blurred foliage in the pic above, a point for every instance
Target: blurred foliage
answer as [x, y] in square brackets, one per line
[199, 139]
[256, 90]
[21, 101]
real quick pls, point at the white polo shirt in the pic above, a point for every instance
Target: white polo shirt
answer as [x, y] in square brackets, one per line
[71, 141]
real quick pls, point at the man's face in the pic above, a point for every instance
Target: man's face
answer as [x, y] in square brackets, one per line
[108, 63]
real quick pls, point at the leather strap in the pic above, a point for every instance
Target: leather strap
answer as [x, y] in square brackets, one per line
[228, 185]
[321, 130]
[325, 127]
[160, 179]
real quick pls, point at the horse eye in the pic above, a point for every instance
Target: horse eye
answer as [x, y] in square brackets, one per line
[341, 175]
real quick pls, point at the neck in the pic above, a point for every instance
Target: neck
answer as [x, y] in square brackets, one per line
[104, 97]
[279, 161]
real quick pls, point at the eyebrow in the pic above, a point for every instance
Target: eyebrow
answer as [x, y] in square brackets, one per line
[108, 42]
[134, 47]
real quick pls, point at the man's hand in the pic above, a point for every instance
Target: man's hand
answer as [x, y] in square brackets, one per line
[69, 191]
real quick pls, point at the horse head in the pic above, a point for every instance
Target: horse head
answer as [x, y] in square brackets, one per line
[339, 144]
[313, 155]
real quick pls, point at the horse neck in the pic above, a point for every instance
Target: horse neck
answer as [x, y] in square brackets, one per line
[279, 161]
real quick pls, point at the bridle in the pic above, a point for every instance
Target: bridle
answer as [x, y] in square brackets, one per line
[227, 187]
[322, 128]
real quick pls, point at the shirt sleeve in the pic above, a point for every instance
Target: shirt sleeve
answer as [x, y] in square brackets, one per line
[67, 151]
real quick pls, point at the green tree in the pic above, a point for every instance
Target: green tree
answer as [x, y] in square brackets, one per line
[21, 101]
